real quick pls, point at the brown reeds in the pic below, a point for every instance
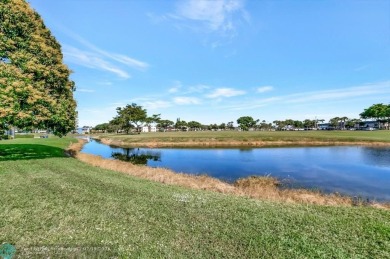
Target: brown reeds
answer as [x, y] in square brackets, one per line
[269, 188]
[235, 143]
[263, 188]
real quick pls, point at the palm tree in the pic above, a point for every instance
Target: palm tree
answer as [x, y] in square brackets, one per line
[352, 123]
[335, 122]
[344, 119]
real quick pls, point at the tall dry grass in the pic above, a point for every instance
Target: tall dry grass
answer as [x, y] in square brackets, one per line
[263, 188]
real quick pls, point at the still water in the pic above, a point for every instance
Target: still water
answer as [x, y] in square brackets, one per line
[352, 170]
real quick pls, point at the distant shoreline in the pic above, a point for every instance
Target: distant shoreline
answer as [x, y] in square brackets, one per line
[235, 144]
[252, 139]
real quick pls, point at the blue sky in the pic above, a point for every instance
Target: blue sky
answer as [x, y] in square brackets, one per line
[214, 61]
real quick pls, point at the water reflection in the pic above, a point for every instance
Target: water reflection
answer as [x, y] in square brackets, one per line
[246, 150]
[356, 171]
[136, 156]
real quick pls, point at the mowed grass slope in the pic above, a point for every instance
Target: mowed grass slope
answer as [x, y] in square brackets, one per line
[48, 203]
[327, 137]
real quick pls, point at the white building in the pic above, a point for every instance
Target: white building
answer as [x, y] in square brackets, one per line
[86, 130]
[149, 129]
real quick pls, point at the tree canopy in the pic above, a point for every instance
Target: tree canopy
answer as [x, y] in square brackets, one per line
[377, 111]
[246, 122]
[194, 125]
[130, 116]
[102, 127]
[153, 120]
[165, 124]
[35, 89]
[180, 124]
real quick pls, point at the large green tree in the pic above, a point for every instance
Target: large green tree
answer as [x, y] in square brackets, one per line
[335, 122]
[194, 125]
[379, 111]
[309, 124]
[102, 127]
[131, 116]
[153, 120]
[352, 123]
[165, 124]
[246, 122]
[35, 89]
[181, 125]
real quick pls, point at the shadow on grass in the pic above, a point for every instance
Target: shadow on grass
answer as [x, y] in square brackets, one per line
[28, 151]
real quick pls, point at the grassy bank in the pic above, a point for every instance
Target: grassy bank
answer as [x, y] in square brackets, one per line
[255, 138]
[58, 206]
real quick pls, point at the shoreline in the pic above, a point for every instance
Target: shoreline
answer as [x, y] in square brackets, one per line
[235, 144]
[261, 188]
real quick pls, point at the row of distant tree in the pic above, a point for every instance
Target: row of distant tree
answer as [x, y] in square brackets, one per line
[133, 117]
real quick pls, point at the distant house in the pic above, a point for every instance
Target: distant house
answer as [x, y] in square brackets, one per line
[168, 129]
[288, 127]
[364, 125]
[86, 130]
[325, 126]
[182, 128]
[40, 131]
[171, 128]
[149, 129]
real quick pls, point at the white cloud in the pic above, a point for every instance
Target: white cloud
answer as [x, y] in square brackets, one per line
[131, 62]
[158, 104]
[157, 18]
[137, 100]
[257, 104]
[314, 97]
[225, 92]
[178, 87]
[107, 83]
[184, 100]
[91, 60]
[197, 88]
[91, 116]
[84, 90]
[128, 61]
[343, 93]
[362, 68]
[216, 15]
[175, 88]
[264, 89]
[93, 57]
[121, 73]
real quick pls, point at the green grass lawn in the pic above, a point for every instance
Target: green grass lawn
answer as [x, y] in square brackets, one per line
[56, 206]
[271, 136]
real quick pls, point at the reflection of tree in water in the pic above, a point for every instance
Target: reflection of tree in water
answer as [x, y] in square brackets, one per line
[136, 156]
[247, 150]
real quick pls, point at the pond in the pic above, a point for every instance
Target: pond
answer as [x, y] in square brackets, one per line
[351, 170]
